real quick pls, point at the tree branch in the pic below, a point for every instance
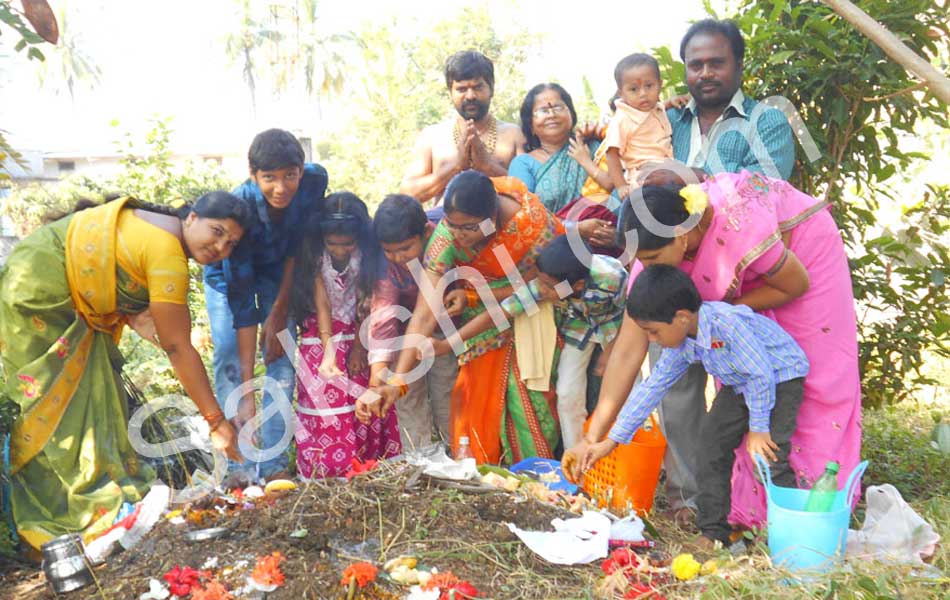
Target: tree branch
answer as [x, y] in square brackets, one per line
[893, 47]
[913, 88]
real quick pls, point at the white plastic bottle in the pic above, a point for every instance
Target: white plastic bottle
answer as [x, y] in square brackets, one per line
[464, 449]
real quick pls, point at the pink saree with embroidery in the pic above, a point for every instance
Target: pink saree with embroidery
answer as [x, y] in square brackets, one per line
[744, 241]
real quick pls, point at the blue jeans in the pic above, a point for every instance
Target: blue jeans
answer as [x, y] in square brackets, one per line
[274, 433]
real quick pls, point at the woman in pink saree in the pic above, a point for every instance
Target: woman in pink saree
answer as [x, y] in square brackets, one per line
[760, 242]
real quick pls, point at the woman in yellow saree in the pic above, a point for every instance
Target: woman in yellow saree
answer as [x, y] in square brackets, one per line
[494, 403]
[66, 291]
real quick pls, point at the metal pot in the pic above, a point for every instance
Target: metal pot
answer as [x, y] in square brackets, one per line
[64, 562]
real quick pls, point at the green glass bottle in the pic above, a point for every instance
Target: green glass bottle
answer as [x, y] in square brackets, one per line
[825, 490]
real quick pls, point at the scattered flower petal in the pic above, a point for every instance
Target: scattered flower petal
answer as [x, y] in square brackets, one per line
[214, 590]
[267, 571]
[156, 591]
[358, 467]
[181, 579]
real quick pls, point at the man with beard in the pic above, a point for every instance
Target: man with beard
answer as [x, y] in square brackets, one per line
[473, 139]
[721, 129]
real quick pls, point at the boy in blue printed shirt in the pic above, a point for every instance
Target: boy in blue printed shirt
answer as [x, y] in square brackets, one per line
[761, 369]
[251, 288]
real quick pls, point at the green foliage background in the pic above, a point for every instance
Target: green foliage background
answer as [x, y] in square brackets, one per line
[401, 89]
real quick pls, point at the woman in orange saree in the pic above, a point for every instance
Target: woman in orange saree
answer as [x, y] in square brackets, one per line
[491, 234]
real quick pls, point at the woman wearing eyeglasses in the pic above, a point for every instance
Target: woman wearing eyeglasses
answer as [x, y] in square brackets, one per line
[496, 228]
[557, 163]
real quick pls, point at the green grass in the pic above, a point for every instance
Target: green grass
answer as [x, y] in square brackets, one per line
[897, 444]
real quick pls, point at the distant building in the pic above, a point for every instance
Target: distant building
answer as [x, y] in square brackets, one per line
[50, 167]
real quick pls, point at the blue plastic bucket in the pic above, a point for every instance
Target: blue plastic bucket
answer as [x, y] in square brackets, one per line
[800, 540]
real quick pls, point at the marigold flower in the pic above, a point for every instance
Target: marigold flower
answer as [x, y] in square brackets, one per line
[267, 570]
[362, 572]
[685, 567]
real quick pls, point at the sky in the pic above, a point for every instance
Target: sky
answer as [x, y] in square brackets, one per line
[168, 58]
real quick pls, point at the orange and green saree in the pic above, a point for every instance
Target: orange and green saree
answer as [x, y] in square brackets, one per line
[503, 420]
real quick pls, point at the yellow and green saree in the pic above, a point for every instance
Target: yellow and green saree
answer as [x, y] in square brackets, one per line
[63, 298]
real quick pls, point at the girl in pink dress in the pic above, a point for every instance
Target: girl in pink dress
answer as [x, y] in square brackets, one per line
[336, 272]
[761, 242]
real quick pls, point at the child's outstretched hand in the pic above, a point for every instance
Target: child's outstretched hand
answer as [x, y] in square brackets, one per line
[455, 302]
[357, 361]
[571, 462]
[579, 151]
[760, 442]
[366, 405]
[623, 191]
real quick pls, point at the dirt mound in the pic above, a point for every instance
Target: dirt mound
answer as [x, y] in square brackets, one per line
[324, 526]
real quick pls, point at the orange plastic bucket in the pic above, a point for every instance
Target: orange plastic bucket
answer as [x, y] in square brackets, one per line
[626, 478]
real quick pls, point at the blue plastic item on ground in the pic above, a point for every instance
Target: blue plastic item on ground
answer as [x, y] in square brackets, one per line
[541, 466]
[806, 541]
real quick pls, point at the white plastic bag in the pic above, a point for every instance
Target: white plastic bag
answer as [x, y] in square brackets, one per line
[892, 530]
[574, 541]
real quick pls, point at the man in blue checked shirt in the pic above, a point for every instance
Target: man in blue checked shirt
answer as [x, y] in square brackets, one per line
[721, 129]
[761, 369]
[251, 289]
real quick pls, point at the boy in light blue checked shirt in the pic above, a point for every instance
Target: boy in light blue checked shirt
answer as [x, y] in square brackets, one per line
[759, 365]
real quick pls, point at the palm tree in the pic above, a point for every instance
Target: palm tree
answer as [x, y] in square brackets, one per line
[67, 64]
[243, 44]
[324, 61]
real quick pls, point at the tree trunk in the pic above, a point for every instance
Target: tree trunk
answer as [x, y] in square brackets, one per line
[892, 46]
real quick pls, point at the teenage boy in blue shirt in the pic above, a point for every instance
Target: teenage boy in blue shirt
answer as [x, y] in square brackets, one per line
[250, 290]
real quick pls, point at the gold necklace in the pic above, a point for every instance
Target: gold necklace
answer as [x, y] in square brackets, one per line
[489, 141]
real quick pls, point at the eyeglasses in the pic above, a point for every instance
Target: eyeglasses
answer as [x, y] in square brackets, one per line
[550, 110]
[467, 227]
